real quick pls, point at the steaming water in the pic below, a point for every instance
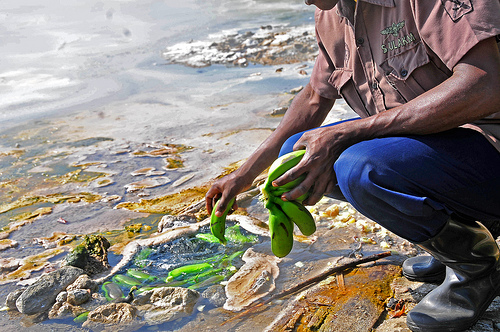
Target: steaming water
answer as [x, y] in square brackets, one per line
[60, 56]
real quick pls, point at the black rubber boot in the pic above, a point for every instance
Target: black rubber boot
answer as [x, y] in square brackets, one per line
[429, 269]
[472, 281]
[424, 268]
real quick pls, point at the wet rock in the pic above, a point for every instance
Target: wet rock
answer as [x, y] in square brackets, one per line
[169, 221]
[42, 294]
[279, 110]
[111, 313]
[84, 282]
[10, 301]
[216, 295]
[183, 180]
[166, 304]
[147, 183]
[142, 171]
[253, 280]
[9, 264]
[65, 309]
[78, 296]
[91, 255]
[62, 297]
[7, 244]
[296, 90]
[353, 302]
[57, 239]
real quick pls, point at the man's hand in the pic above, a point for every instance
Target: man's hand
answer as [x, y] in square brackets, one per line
[224, 190]
[323, 146]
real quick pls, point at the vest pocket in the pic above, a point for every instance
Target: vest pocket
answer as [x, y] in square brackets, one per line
[341, 79]
[399, 71]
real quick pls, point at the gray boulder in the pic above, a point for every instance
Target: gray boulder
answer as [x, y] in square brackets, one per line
[11, 299]
[216, 295]
[40, 296]
[165, 304]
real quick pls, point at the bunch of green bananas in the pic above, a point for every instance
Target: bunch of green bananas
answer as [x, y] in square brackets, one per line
[283, 214]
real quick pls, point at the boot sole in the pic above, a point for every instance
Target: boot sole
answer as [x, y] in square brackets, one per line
[432, 278]
[416, 328]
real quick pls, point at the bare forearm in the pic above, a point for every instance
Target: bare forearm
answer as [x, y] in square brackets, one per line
[308, 110]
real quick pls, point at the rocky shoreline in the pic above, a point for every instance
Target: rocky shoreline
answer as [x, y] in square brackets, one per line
[267, 45]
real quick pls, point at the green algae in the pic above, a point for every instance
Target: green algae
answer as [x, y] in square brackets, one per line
[32, 215]
[174, 163]
[96, 245]
[78, 176]
[30, 264]
[140, 259]
[166, 149]
[233, 234]
[137, 228]
[52, 198]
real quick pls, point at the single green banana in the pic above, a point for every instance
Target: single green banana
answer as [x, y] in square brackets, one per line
[207, 237]
[188, 269]
[281, 229]
[289, 185]
[125, 281]
[280, 166]
[81, 318]
[146, 288]
[299, 215]
[279, 191]
[235, 255]
[303, 197]
[112, 291]
[204, 275]
[218, 224]
[208, 282]
[141, 276]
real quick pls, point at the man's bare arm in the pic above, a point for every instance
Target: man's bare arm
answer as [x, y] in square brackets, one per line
[308, 110]
[471, 93]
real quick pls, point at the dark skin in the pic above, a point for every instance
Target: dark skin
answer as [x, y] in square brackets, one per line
[471, 93]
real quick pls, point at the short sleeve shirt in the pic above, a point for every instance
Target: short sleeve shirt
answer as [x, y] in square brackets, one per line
[379, 54]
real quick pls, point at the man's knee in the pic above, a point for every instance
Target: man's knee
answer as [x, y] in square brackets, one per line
[287, 147]
[357, 168]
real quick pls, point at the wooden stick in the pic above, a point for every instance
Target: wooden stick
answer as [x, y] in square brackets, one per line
[311, 281]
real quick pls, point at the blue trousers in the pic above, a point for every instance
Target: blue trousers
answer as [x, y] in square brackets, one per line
[412, 185]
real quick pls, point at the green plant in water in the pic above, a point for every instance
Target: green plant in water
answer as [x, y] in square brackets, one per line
[141, 258]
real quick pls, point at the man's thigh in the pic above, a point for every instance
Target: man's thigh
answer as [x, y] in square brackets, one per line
[458, 168]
